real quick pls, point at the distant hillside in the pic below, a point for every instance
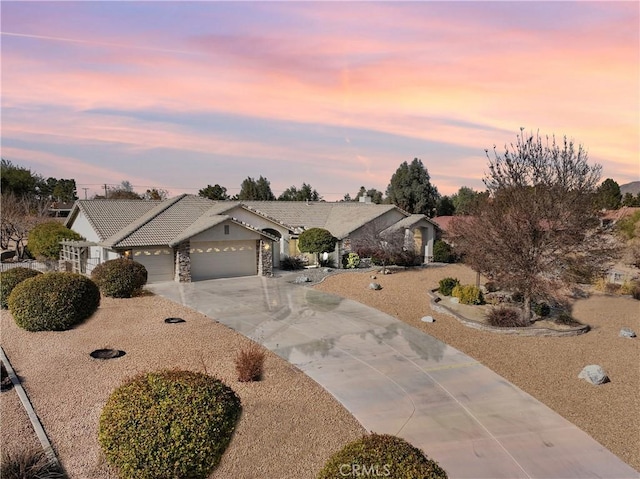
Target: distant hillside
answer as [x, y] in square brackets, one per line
[633, 188]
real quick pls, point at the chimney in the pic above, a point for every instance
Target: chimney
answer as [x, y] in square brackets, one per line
[365, 199]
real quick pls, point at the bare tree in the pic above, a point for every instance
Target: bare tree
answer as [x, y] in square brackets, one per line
[18, 216]
[389, 246]
[538, 230]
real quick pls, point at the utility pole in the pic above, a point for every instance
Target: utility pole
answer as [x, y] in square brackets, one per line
[105, 191]
[85, 192]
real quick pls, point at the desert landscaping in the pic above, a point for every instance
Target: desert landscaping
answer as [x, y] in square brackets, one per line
[69, 388]
[545, 367]
[289, 426]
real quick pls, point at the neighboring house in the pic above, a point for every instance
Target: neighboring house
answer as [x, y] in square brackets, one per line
[189, 238]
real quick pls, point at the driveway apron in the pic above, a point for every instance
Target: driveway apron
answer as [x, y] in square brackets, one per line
[398, 380]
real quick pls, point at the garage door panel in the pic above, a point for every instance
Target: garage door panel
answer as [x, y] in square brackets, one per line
[157, 261]
[223, 259]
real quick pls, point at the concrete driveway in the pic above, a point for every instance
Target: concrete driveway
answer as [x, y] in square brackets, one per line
[396, 379]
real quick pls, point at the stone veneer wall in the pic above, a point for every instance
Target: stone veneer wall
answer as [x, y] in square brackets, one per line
[183, 262]
[265, 258]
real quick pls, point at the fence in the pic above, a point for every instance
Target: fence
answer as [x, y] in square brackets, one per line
[43, 266]
[85, 267]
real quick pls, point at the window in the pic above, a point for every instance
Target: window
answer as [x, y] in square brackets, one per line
[226, 229]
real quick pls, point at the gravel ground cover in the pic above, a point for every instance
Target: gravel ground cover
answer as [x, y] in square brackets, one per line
[546, 367]
[289, 427]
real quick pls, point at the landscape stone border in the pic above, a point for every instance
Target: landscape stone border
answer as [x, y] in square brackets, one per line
[434, 301]
[33, 417]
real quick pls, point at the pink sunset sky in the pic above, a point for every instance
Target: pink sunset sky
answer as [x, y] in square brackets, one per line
[178, 95]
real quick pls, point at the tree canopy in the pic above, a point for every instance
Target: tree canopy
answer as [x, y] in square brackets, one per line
[305, 193]
[316, 240]
[410, 189]
[608, 195]
[538, 229]
[465, 199]
[18, 181]
[445, 207]
[215, 192]
[256, 190]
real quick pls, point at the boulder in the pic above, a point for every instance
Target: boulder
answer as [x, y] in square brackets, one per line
[302, 279]
[594, 374]
[375, 286]
[428, 319]
[627, 333]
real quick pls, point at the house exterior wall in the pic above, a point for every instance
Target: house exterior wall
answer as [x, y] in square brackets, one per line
[82, 226]
[260, 223]
[217, 233]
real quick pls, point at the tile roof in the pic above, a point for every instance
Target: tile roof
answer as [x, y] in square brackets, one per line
[162, 224]
[341, 218]
[107, 217]
[125, 224]
[410, 221]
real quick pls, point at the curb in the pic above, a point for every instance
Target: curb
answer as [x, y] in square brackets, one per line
[33, 417]
[530, 331]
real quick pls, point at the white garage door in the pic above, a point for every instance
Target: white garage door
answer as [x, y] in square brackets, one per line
[158, 261]
[223, 259]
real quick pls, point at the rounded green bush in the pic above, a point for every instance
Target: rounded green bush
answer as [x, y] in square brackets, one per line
[381, 455]
[53, 301]
[44, 239]
[169, 423]
[120, 278]
[10, 279]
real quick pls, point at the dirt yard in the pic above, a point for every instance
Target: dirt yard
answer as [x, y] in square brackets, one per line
[546, 368]
[289, 425]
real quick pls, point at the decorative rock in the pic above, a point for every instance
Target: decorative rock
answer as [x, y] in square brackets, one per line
[455, 300]
[328, 270]
[428, 319]
[375, 286]
[594, 374]
[302, 279]
[373, 276]
[627, 333]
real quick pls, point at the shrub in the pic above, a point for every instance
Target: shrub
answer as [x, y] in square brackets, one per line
[53, 301]
[446, 285]
[504, 317]
[10, 279]
[628, 287]
[443, 253]
[169, 423]
[250, 363]
[541, 309]
[491, 286]
[44, 239]
[120, 278]
[291, 263]
[468, 294]
[381, 455]
[352, 261]
[517, 297]
[406, 258]
[29, 464]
